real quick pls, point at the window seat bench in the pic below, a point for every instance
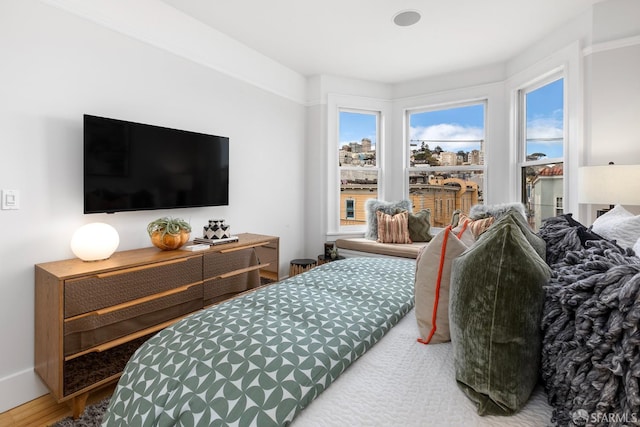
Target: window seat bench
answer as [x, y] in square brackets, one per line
[359, 246]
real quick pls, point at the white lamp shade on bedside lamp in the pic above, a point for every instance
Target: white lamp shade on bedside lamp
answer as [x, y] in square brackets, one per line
[609, 184]
[95, 241]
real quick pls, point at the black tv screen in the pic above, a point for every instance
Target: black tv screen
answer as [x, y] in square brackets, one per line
[133, 166]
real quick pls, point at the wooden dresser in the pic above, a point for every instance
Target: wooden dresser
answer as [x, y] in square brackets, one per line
[90, 317]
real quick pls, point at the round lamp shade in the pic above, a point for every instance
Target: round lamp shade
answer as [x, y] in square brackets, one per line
[95, 241]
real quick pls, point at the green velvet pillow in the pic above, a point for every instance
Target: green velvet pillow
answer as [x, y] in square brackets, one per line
[538, 243]
[495, 307]
[419, 226]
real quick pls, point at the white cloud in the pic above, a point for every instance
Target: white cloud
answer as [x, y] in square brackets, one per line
[544, 128]
[545, 135]
[447, 131]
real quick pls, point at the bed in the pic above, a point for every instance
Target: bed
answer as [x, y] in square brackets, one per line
[261, 358]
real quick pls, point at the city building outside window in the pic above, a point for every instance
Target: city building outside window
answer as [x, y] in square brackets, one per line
[559, 208]
[446, 159]
[350, 209]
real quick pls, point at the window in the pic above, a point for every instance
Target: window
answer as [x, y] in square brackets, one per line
[446, 159]
[541, 135]
[358, 137]
[559, 208]
[350, 209]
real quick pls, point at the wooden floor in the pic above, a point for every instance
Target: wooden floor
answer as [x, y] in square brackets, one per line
[45, 411]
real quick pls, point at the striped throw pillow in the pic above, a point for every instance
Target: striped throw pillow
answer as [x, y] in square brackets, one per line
[477, 226]
[393, 228]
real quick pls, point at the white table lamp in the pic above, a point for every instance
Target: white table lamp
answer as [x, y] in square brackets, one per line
[609, 185]
[95, 241]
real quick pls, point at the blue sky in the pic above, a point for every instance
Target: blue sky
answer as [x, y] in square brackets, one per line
[355, 126]
[462, 126]
[544, 121]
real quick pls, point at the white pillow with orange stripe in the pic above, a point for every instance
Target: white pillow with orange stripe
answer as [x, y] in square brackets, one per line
[433, 274]
[464, 232]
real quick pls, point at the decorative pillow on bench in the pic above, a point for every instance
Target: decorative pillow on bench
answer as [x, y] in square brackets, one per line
[496, 210]
[393, 228]
[372, 206]
[476, 226]
[419, 226]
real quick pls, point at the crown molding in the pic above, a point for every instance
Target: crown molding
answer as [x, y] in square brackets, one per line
[611, 45]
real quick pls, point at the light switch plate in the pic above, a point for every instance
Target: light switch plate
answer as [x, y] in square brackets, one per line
[10, 199]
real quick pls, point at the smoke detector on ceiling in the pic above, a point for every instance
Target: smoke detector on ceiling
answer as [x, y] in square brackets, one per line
[406, 18]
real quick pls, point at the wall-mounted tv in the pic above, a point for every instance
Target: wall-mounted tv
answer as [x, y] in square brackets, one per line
[133, 166]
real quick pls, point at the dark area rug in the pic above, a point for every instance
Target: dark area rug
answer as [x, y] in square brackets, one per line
[91, 417]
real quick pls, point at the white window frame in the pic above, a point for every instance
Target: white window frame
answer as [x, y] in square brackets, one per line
[337, 103]
[438, 107]
[522, 119]
[496, 186]
[565, 63]
[521, 114]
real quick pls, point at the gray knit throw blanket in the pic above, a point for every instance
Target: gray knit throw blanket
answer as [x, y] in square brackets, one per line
[562, 234]
[591, 340]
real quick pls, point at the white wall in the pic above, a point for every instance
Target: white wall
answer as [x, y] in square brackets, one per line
[612, 95]
[615, 105]
[318, 180]
[613, 67]
[57, 66]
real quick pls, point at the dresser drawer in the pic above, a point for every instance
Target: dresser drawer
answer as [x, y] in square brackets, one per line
[84, 332]
[105, 290]
[216, 290]
[267, 255]
[216, 264]
[94, 368]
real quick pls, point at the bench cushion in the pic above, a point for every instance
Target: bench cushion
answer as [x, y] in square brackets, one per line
[360, 244]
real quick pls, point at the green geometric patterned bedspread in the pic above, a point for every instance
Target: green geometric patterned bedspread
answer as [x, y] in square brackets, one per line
[259, 359]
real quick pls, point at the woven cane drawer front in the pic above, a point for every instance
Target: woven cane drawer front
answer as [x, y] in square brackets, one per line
[268, 255]
[97, 292]
[94, 329]
[217, 290]
[217, 263]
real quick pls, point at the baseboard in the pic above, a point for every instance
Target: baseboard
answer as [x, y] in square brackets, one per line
[20, 388]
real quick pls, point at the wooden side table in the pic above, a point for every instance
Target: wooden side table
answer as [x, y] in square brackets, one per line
[322, 259]
[301, 265]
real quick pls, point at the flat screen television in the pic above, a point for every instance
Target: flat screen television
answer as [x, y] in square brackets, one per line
[133, 166]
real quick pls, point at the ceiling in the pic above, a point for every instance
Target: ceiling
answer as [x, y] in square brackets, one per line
[357, 38]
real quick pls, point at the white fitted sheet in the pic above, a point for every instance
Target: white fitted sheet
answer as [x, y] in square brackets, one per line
[400, 382]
